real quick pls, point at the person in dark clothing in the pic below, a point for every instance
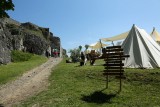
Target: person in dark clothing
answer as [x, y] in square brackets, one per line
[92, 56]
[103, 53]
[47, 54]
[82, 59]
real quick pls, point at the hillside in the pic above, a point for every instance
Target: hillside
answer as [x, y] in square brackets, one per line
[26, 37]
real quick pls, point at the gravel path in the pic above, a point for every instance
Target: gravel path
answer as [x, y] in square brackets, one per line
[29, 84]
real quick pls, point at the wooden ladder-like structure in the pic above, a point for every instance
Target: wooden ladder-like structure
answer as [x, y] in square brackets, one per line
[113, 63]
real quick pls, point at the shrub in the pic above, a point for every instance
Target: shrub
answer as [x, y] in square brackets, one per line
[75, 55]
[19, 56]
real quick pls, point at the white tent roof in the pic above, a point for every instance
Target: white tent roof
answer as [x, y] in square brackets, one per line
[155, 35]
[143, 50]
[97, 45]
[115, 38]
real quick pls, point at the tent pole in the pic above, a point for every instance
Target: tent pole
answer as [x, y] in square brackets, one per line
[101, 45]
[107, 81]
[112, 43]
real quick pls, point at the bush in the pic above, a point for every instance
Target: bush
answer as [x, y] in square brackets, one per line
[19, 56]
[75, 55]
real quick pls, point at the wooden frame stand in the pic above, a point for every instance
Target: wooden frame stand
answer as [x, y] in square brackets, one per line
[113, 63]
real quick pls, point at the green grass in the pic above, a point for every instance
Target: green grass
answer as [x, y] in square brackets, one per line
[74, 86]
[19, 56]
[12, 70]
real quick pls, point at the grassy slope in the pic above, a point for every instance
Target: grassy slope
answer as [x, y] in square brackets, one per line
[11, 71]
[73, 86]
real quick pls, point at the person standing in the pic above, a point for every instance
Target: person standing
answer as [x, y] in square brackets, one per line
[82, 59]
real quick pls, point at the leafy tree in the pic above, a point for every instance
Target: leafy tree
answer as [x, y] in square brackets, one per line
[80, 47]
[75, 54]
[86, 46]
[5, 5]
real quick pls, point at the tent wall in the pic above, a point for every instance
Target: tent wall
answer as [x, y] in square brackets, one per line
[143, 50]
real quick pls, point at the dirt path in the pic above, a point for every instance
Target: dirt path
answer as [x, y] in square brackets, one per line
[28, 84]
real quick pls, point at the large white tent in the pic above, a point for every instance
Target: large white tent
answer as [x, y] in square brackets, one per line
[143, 50]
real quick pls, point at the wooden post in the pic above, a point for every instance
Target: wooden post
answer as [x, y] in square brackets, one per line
[107, 81]
[120, 83]
[107, 77]
[120, 73]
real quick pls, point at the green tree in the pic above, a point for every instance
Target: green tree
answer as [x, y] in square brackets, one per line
[86, 46]
[75, 54]
[80, 48]
[5, 5]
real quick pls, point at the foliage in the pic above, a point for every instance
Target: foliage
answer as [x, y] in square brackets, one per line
[80, 47]
[64, 53]
[73, 86]
[86, 46]
[12, 70]
[19, 56]
[75, 54]
[5, 5]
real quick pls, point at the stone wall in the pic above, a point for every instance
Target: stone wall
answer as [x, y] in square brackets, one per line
[4, 47]
[35, 44]
[26, 36]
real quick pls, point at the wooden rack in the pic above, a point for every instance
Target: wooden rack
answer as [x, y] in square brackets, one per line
[113, 63]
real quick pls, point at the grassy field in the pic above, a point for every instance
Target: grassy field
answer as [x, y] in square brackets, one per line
[12, 70]
[75, 86]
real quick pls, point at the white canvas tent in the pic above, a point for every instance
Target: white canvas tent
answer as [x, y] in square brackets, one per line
[155, 35]
[97, 45]
[115, 38]
[143, 50]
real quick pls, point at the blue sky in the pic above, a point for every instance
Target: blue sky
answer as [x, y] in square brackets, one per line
[80, 22]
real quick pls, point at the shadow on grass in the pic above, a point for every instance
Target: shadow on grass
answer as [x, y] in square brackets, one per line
[98, 97]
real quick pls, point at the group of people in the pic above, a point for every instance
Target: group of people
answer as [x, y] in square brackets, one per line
[54, 53]
[89, 56]
[92, 56]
